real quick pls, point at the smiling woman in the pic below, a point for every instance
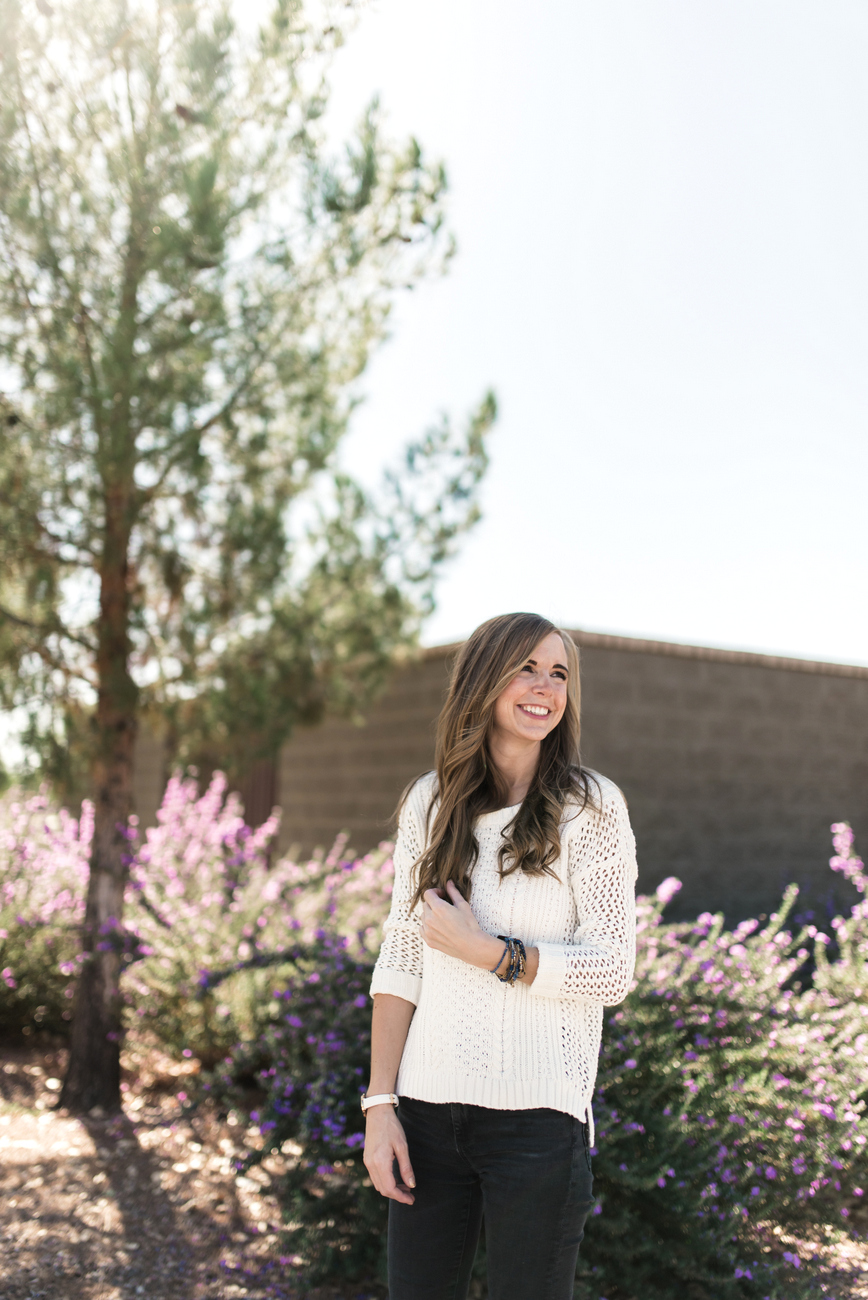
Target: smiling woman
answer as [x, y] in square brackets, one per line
[511, 927]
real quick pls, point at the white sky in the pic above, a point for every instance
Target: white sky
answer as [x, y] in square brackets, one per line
[662, 215]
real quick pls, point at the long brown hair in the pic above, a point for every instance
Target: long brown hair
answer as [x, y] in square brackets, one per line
[468, 783]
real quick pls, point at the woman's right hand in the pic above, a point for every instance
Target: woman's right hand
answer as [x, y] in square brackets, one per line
[384, 1144]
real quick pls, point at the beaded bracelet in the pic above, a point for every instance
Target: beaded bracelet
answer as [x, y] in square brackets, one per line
[517, 961]
[495, 969]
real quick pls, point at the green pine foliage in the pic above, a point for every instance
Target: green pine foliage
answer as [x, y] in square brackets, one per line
[191, 285]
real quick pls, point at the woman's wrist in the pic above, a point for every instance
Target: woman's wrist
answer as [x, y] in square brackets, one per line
[379, 1086]
[487, 951]
[491, 952]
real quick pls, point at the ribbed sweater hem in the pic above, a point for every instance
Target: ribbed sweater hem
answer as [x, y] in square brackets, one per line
[498, 1094]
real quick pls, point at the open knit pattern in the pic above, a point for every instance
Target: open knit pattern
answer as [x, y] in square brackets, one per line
[473, 1039]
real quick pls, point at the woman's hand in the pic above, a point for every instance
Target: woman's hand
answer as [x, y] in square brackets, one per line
[384, 1144]
[452, 928]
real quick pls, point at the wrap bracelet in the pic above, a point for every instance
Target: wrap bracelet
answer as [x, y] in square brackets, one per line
[517, 964]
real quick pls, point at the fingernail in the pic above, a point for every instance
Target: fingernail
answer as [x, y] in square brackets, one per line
[412, 1182]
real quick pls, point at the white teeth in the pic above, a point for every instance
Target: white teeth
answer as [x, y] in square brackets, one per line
[537, 709]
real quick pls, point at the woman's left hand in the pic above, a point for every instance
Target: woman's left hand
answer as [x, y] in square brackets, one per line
[452, 928]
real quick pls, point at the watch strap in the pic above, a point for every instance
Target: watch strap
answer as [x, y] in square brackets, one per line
[379, 1099]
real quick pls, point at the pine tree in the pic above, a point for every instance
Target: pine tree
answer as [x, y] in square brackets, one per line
[189, 288]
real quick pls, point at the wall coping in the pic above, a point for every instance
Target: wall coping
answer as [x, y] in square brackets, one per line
[674, 650]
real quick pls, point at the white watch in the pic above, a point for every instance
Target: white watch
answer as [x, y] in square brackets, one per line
[379, 1099]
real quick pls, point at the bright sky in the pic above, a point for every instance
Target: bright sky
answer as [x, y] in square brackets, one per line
[662, 216]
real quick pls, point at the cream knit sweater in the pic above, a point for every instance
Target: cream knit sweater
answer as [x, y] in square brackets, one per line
[473, 1039]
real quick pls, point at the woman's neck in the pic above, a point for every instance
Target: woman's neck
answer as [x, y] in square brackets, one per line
[516, 765]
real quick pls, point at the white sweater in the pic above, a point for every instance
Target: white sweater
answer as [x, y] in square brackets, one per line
[474, 1039]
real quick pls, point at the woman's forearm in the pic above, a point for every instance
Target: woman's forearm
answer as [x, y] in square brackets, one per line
[385, 1140]
[390, 1024]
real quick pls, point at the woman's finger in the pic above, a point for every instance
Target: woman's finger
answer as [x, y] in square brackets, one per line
[406, 1169]
[456, 895]
[387, 1185]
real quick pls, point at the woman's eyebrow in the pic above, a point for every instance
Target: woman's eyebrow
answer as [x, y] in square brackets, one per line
[561, 666]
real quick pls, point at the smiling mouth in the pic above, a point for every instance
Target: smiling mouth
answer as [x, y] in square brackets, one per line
[535, 710]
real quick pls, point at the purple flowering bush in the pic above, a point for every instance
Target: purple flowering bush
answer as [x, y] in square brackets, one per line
[200, 897]
[216, 921]
[730, 1107]
[731, 1097]
[43, 874]
[310, 1065]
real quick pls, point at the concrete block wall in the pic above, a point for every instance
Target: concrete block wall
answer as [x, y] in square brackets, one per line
[733, 765]
[340, 776]
[149, 775]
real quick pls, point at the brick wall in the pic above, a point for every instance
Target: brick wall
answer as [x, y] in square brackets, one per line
[733, 765]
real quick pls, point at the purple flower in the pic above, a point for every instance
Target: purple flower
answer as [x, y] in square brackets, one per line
[667, 889]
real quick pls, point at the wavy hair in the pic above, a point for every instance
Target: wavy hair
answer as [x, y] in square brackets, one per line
[468, 783]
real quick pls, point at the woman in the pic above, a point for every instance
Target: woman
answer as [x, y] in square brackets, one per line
[511, 927]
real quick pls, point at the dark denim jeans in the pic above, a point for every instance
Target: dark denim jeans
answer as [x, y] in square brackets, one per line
[528, 1172]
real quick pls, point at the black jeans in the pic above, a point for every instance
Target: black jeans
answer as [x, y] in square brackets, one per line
[528, 1172]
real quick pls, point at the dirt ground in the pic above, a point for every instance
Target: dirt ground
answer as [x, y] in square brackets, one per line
[149, 1203]
[145, 1204]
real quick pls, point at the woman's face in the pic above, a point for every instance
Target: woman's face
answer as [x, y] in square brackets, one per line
[533, 703]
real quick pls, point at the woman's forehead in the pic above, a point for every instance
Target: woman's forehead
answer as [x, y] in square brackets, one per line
[550, 650]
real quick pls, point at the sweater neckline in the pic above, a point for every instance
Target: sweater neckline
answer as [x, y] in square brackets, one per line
[499, 817]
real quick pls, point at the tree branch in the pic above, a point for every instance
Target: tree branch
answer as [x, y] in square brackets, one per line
[44, 629]
[147, 495]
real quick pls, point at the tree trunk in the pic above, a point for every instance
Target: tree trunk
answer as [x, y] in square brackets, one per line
[93, 1076]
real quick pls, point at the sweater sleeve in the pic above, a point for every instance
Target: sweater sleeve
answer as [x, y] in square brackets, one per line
[598, 964]
[399, 966]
